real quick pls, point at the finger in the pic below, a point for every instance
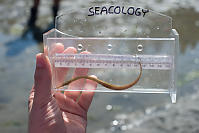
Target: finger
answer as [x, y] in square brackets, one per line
[42, 83]
[62, 72]
[87, 96]
[56, 48]
[78, 84]
[68, 105]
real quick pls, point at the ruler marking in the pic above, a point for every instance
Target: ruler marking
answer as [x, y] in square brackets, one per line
[113, 61]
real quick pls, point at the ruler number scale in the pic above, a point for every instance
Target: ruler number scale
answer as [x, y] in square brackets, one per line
[161, 62]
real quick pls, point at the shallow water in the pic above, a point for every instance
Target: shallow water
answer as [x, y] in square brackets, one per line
[111, 112]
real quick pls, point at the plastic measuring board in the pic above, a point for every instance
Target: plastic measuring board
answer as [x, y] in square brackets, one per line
[115, 50]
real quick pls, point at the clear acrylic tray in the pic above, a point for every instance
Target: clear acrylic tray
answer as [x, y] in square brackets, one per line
[115, 44]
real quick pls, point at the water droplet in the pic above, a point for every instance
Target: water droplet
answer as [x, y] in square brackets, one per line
[140, 47]
[124, 29]
[109, 47]
[115, 122]
[109, 107]
[79, 47]
[158, 28]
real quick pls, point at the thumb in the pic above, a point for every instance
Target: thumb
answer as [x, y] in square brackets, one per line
[42, 83]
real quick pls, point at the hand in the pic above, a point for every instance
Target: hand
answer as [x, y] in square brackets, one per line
[57, 112]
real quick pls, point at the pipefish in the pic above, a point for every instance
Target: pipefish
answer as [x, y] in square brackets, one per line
[105, 84]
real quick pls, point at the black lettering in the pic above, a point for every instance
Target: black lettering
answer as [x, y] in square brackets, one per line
[91, 11]
[123, 10]
[117, 7]
[109, 10]
[137, 12]
[97, 10]
[130, 12]
[104, 9]
[116, 10]
[145, 11]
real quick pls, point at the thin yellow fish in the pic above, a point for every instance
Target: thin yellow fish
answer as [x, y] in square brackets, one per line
[105, 84]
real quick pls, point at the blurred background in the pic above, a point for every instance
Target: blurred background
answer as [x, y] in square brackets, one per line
[21, 39]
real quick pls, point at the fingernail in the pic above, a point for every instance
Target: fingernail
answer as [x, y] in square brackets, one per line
[40, 61]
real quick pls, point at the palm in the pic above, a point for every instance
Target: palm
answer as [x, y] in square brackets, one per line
[56, 111]
[74, 116]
